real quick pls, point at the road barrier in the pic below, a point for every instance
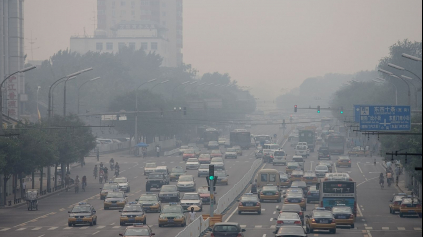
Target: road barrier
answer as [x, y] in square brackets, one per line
[195, 228]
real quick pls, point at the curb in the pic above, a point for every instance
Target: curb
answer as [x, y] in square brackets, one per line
[402, 191]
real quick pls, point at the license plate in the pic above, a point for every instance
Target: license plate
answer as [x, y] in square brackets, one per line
[170, 221]
[324, 222]
[131, 219]
[295, 201]
[249, 205]
[78, 219]
[268, 194]
[114, 204]
[342, 217]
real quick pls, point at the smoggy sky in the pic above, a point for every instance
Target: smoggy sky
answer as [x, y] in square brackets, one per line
[266, 44]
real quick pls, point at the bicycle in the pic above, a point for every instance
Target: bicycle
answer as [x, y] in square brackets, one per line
[382, 184]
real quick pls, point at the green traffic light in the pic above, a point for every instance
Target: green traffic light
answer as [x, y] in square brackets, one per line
[211, 178]
[342, 112]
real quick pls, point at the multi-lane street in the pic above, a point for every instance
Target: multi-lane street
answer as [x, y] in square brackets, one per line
[51, 218]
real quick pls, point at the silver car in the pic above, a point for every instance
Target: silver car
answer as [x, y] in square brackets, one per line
[321, 170]
[203, 170]
[192, 164]
[231, 153]
[191, 199]
[150, 168]
[123, 184]
[288, 218]
[186, 183]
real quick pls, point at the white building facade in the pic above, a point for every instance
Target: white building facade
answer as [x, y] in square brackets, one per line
[151, 25]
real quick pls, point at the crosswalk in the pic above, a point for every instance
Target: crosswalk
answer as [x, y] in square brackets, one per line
[272, 227]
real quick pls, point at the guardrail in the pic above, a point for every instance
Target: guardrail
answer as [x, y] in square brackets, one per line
[195, 228]
[172, 152]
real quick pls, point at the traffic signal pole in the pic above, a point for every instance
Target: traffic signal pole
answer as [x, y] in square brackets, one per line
[211, 198]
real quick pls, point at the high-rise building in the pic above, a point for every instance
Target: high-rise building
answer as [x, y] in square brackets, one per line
[12, 56]
[152, 25]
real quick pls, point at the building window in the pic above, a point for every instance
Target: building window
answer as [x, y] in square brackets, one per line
[109, 46]
[123, 3]
[154, 46]
[99, 46]
[121, 45]
[132, 45]
[144, 46]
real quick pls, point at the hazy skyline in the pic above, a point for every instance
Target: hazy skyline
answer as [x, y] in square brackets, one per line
[270, 44]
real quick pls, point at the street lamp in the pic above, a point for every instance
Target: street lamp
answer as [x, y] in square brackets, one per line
[38, 110]
[136, 111]
[411, 57]
[1, 94]
[403, 69]
[379, 79]
[79, 88]
[415, 87]
[181, 84]
[395, 76]
[52, 93]
[50, 100]
[162, 82]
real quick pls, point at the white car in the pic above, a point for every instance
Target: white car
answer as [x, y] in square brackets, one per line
[192, 164]
[191, 199]
[203, 170]
[301, 150]
[321, 170]
[123, 184]
[186, 183]
[288, 218]
[150, 168]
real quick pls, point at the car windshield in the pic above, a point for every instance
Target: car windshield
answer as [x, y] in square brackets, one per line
[291, 207]
[192, 160]
[115, 195]
[137, 232]
[226, 228]
[188, 196]
[132, 208]
[168, 188]
[110, 186]
[321, 167]
[81, 209]
[341, 210]
[322, 214]
[270, 188]
[231, 150]
[216, 152]
[279, 153]
[120, 180]
[220, 174]
[172, 209]
[204, 166]
[155, 176]
[249, 199]
[189, 152]
[185, 178]
[178, 170]
[288, 215]
[150, 165]
[205, 156]
[147, 198]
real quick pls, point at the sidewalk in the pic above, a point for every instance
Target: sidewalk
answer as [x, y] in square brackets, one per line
[401, 182]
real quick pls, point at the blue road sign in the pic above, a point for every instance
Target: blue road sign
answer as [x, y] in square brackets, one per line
[385, 118]
[357, 113]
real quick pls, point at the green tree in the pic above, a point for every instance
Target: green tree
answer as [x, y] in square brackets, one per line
[9, 147]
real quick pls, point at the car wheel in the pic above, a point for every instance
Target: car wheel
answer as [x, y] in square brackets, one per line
[129, 190]
[352, 226]
[401, 215]
[239, 212]
[95, 222]
[259, 212]
[279, 200]
[160, 225]
[69, 224]
[92, 223]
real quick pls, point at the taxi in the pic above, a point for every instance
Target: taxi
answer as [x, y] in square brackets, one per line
[396, 201]
[343, 161]
[285, 181]
[190, 153]
[411, 206]
[249, 203]
[291, 166]
[116, 199]
[150, 202]
[215, 153]
[343, 215]
[172, 215]
[132, 213]
[296, 198]
[108, 187]
[321, 219]
[297, 175]
[310, 178]
[238, 150]
[270, 193]
[176, 172]
[82, 213]
[138, 230]
[205, 195]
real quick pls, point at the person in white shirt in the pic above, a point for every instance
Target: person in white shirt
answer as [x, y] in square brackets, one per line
[192, 215]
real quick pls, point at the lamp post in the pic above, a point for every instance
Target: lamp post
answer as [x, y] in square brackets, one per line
[52, 93]
[38, 110]
[50, 100]
[181, 84]
[417, 59]
[1, 94]
[379, 79]
[415, 87]
[160, 83]
[136, 113]
[395, 76]
[403, 69]
[79, 88]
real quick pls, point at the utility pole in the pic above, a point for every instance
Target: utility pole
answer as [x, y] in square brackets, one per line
[211, 180]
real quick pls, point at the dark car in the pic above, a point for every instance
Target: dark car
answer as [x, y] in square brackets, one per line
[227, 229]
[296, 208]
[324, 153]
[313, 195]
[169, 193]
[291, 231]
[155, 180]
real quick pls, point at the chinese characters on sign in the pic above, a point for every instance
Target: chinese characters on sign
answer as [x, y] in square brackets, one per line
[385, 118]
[12, 97]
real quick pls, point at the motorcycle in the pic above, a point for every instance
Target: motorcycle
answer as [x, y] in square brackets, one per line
[117, 172]
[95, 174]
[100, 179]
[112, 166]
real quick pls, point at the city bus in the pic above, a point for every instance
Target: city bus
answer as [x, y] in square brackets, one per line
[210, 134]
[336, 144]
[240, 137]
[334, 192]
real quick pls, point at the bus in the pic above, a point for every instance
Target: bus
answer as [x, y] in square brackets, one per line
[336, 192]
[336, 144]
[262, 139]
[210, 134]
[240, 137]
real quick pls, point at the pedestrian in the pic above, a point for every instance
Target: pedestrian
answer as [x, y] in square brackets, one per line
[23, 186]
[192, 215]
[158, 151]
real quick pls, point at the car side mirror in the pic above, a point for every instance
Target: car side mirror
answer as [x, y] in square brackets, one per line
[120, 210]
[307, 216]
[69, 211]
[120, 234]
[136, 200]
[243, 230]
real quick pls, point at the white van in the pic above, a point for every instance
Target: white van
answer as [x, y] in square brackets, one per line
[301, 150]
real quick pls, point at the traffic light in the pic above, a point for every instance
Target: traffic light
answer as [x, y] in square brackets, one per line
[318, 109]
[342, 110]
[295, 108]
[185, 110]
[211, 173]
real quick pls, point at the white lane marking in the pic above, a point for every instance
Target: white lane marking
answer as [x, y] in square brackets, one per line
[41, 236]
[274, 213]
[367, 181]
[230, 216]
[101, 227]
[5, 229]
[135, 177]
[52, 228]
[273, 227]
[258, 226]
[401, 228]
[243, 226]
[271, 219]
[84, 228]
[96, 232]
[365, 224]
[369, 228]
[67, 228]
[369, 234]
[417, 228]
[20, 229]
[37, 228]
[359, 167]
[115, 227]
[264, 235]
[385, 228]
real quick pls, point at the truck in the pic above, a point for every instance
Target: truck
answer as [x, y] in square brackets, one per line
[240, 137]
[336, 144]
[308, 134]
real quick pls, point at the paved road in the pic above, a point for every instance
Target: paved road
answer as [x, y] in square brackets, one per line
[51, 219]
[373, 220]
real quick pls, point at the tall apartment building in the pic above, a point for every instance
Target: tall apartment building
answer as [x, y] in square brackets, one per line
[12, 56]
[152, 25]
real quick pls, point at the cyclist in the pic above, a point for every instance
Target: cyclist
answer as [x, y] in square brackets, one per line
[95, 171]
[381, 180]
[84, 182]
